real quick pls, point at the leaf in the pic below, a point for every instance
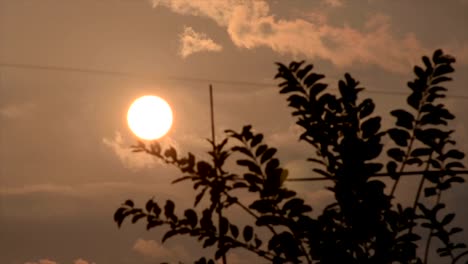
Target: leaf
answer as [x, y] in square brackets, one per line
[171, 153]
[366, 108]
[268, 155]
[153, 223]
[252, 179]
[199, 196]
[234, 230]
[455, 154]
[370, 127]
[242, 150]
[181, 179]
[247, 233]
[421, 152]
[391, 169]
[297, 101]
[256, 139]
[191, 216]
[239, 185]
[447, 219]
[396, 154]
[223, 226]
[209, 242]
[262, 206]
[260, 150]
[431, 191]
[250, 165]
[412, 161]
[129, 203]
[119, 216]
[317, 88]
[400, 136]
[440, 79]
[169, 209]
[404, 118]
[312, 78]
[303, 72]
[454, 164]
[169, 234]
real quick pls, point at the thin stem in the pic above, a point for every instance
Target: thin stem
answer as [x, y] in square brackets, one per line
[215, 156]
[418, 193]
[429, 238]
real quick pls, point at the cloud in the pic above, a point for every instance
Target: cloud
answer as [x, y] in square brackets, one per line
[14, 111]
[154, 250]
[47, 261]
[130, 159]
[151, 248]
[193, 42]
[82, 261]
[42, 261]
[334, 3]
[251, 24]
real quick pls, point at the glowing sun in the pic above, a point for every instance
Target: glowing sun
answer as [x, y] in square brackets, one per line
[149, 117]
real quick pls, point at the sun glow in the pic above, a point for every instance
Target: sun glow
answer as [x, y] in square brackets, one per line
[149, 117]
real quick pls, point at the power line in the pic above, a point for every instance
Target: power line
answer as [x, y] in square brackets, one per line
[173, 78]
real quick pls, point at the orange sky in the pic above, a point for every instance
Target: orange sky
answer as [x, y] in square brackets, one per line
[70, 69]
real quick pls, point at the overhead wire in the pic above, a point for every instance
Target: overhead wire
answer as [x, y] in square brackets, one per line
[175, 78]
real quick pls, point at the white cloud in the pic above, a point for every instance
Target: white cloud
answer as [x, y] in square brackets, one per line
[42, 261]
[82, 261]
[334, 3]
[251, 24]
[14, 111]
[151, 248]
[193, 42]
[132, 160]
[154, 250]
[47, 261]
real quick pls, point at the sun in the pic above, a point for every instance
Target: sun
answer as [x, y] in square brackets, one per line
[149, 117]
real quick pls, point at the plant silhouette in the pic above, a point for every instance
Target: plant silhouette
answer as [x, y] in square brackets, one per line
[364, 224]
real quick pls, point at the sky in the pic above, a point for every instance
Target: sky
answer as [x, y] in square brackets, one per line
[70, 69]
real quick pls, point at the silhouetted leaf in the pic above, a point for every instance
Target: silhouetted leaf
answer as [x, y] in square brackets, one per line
[366, 108]
[250, 165]
[257, 139]
[370, 127]
[171, 153]
[431, 191]
[440, 79]
[209, 242]
[455, 154]
[223, 226]
[447, 219]
[169, 209]
[400, 136]
[268, 155]
[191, 216]
[260, 150]
[199, 196]
[262, 206]
[312, 78]
[247, 233]
[242, 150]
[421, 152]
[391, 169]
[129, 203]
[169, 234]
[396, 154]
[404, 118]
[454, 164]
[234, 230]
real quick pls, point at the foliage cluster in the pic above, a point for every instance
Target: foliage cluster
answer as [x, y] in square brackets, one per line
[364, 224]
